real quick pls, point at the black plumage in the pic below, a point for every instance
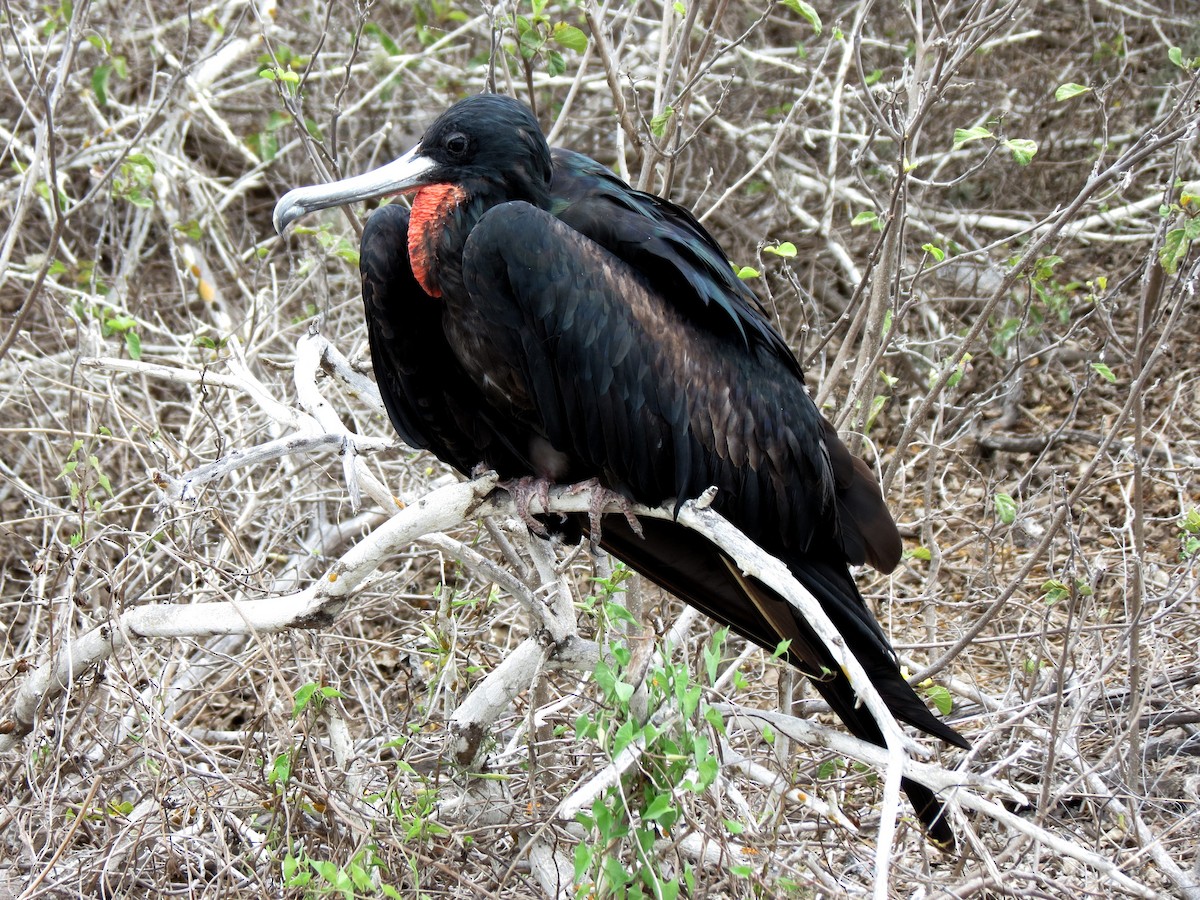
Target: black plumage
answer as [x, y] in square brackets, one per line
[535, 315]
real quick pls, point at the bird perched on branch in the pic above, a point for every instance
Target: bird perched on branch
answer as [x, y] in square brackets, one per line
[535, 315]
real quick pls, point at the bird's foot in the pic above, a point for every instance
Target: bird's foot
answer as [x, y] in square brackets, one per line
[601, 501]
[525, 490]
[482, 469]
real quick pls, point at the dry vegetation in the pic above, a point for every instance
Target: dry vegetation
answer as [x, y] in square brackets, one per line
[1015, 340]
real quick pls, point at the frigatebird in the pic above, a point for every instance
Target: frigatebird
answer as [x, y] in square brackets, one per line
[535, 315]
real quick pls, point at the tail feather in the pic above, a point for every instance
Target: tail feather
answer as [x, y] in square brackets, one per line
[687, 565]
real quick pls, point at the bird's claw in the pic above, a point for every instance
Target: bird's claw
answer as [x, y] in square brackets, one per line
[525, 490]
[602, 498]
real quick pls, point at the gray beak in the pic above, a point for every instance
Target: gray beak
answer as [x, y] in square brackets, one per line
[407, 172]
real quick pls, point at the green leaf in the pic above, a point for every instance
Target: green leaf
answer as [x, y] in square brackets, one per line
[389, 46]
[1175, 55]
[922, 553]
[1174, 249]
[137, 198]
[119, 323]
[100, 77]
[529, 41]
[1069, 90]
[103, 481]
[787, 250]
[303, 697]
[1006, 508]
[805, 11]
[570, 37]
[747, 272]
[658, 125]
[190, 229]
[337, 877]
[290, 868]
[348, 251]
[141, 161]
[133, 344]
[1022, 150]
[959, 370]
[583, 858]
[712, 654]
[940, 698]
[864, 218]
[281, 769]
[623, 690]
[1104, 372]
[613, 871]
[706, 771]
[1054, 591]
[966, 135]
[658, 807]
[935, 251]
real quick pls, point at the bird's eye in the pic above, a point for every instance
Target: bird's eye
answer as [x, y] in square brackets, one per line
[456, 143]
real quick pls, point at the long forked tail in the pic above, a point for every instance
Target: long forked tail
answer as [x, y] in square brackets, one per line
[689, 566]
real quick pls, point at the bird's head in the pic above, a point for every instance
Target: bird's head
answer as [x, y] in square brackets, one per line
[489, 145]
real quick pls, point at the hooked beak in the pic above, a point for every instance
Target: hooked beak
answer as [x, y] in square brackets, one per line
[405, 173]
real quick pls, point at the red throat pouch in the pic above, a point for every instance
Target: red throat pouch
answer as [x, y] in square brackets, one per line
[431, 207]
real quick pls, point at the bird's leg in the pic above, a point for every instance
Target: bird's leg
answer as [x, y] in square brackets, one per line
[602, 499]
[523, 491]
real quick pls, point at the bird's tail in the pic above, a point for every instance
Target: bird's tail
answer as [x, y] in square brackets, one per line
[689, 566]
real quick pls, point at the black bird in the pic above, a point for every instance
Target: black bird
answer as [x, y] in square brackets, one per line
[536, 315]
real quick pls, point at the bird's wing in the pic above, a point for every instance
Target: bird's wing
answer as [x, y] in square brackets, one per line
[685, 266]
[624, 381]
[681, 260]
[432, 403]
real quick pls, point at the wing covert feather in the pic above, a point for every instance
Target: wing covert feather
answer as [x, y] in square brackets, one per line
[601, 355]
